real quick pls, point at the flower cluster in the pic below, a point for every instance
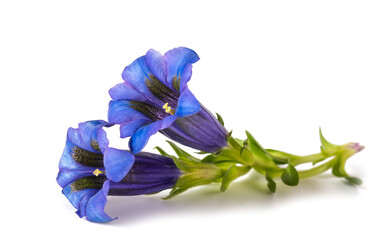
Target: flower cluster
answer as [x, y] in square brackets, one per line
[155, 97]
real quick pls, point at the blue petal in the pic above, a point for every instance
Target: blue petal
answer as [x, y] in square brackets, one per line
[103, 141]
[117, 163]
[96, 205]
[76, 197]
[167, 121]
[69, 169]
[75, 137]
[81, 212]
[156, 64]
[186, 75]
[127, 129]
[176, 61]
[66, 176]
[89, 132]
[136, 75]
[187, 104]
[120, 112]
[142, 135]
[125, 91]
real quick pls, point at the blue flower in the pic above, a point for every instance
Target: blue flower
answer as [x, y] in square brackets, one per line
[90, 171]
[155, 97]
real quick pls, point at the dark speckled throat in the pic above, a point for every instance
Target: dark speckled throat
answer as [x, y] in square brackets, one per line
[92, 182]
[87, 158]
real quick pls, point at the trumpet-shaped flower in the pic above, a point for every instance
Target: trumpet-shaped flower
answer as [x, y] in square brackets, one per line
[155, 97]
[90, 171]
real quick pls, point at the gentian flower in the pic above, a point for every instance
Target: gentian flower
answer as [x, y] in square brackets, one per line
[90, 171]
[155, 97]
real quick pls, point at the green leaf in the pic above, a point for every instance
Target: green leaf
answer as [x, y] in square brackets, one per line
[290, 176]
[259, 151]
[247, 156]
[326, 145]
[233, 173]
[220, 119]
[354, 180]
[271, 184]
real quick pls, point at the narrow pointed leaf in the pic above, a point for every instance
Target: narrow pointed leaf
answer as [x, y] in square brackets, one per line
[247, 156]
[233, 173]
[326, 145]
[259, 151]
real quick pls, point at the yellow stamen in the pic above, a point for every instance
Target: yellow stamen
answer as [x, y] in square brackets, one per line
[97, 172]
[168, 109]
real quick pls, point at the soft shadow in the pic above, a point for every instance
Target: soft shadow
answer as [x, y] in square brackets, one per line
[250, 192]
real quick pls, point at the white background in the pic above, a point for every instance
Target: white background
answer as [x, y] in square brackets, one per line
[280, 69]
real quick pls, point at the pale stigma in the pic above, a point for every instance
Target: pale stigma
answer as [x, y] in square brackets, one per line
[168, 109]
[97, 172]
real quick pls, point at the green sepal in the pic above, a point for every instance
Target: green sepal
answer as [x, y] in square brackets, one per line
[195, 172]
[234, 143]
[201, 152]
[201, 175]
[220, 119]
[231, 174]
[290, 176]
[229, 134]
[162, 152]
[183, 154]
[271, 184]
[239, 141]
[186, 182]
[225, 155]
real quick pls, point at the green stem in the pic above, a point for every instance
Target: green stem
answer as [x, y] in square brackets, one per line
[317, 170]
